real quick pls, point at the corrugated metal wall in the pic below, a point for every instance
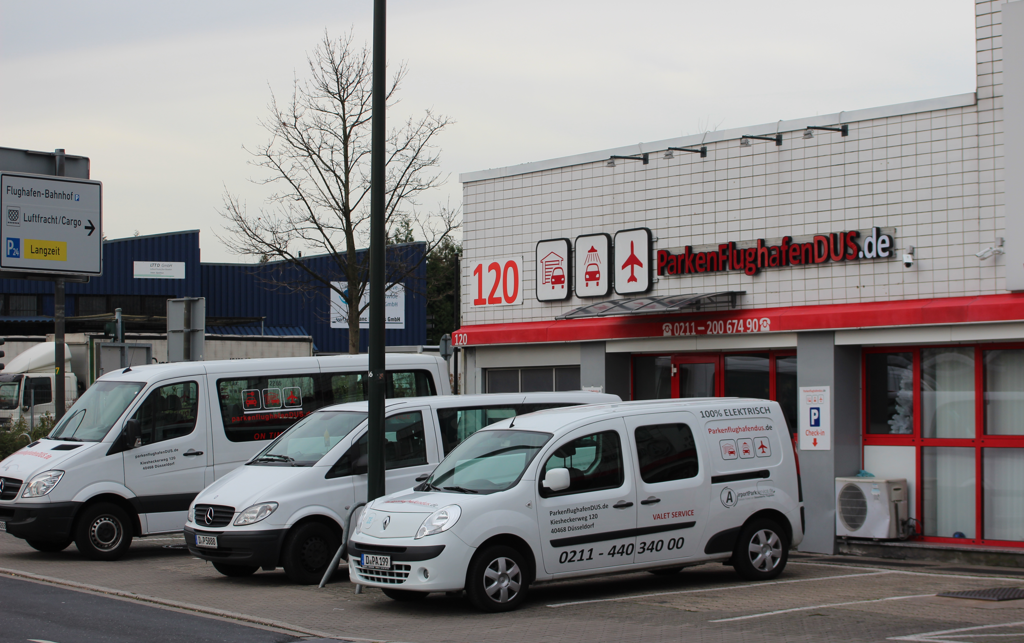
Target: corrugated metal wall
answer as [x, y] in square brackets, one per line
[237, 290]
[234, 290]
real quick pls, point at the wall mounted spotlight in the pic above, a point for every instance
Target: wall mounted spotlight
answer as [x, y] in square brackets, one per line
[645, 157]
[745, 139]
[992, 250]
[844, 130]
[610, 163]
[703, 151]
[908, 257]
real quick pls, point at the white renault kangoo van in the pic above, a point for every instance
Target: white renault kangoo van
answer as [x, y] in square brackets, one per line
[128, 458]
[582, 491]
[288, 505]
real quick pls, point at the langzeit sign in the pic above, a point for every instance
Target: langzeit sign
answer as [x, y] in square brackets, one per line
[835, 247]
[51, 225]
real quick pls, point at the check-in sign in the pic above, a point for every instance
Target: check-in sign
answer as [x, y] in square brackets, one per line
[51, 224]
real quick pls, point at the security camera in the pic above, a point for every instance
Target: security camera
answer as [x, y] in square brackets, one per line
[908, 257]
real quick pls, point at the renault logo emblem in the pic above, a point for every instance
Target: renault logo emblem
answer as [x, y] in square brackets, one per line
[387, 521]
[209, 516]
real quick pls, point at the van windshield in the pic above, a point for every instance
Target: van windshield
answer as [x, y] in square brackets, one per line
[9, 395]
[96, 411]
[309, 439]
[488, 461]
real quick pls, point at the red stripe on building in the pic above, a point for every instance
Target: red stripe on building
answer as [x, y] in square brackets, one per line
[914, 312]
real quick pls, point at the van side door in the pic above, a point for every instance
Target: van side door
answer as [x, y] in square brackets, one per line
[672, 486]
[168, 469]
[592, 524]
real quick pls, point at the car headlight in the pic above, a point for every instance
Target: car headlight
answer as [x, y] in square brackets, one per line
[357, 521]
[191, 513]
[42, 484]
[441, 520]
[255, 513]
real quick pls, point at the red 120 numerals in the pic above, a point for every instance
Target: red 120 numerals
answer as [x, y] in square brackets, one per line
[506, 279]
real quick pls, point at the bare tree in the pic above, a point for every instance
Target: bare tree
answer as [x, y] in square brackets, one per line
[317, 160]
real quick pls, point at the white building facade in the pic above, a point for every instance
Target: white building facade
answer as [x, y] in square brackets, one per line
[873, 258]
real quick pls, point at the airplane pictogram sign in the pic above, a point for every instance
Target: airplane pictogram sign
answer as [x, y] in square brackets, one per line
[762, 447]
[632, 262]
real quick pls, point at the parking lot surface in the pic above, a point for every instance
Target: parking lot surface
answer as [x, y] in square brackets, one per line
[818, 598]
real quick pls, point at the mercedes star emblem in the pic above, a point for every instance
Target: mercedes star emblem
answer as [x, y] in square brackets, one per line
[387, 521]
[209, 516]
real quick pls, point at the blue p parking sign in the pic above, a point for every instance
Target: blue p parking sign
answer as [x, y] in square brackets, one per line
[815, 416]
[13, 248]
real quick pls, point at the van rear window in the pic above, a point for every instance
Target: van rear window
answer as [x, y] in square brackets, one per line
[261, 407]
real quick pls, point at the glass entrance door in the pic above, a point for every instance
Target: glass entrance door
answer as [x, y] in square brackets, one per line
[695, 376]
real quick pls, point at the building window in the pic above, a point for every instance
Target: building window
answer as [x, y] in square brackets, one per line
[961, 410]
[22, 305]
[528, 380]
[88, 305]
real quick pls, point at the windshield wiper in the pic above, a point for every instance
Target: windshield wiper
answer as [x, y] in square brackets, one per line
[273, 457]
[69, 439]
[460, 489]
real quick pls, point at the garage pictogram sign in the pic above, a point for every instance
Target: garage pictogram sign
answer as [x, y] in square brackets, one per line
[553, 274]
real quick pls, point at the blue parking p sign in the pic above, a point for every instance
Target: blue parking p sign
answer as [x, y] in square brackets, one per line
[13, 248]
[815, 416]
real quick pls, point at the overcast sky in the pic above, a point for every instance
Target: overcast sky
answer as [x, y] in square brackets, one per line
[162, 96]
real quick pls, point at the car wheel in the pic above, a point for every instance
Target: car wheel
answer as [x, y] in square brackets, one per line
[497, 579]
[666, 571]
[761, 551]
[308, 551]
[103, 532]
[49, 546]
[404, 595]
[235, 571]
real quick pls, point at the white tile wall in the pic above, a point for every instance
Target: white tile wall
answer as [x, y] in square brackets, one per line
[936, 176]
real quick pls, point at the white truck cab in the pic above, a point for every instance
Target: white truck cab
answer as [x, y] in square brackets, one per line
[128, 458]
[593, 490]
[28, 384]
[288, 505]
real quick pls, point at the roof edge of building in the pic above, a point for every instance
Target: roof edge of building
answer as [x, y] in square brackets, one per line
[859, 115]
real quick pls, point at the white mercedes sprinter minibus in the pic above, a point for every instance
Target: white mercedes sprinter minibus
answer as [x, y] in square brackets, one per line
[582, 491]
[128, 458]
[287, 506]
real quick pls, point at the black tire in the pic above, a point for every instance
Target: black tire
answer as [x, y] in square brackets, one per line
[103, 532]
[49, 546]
[404, 595]
[761, 550]
[236, 571]
[666, 571]
[497, 580]
[308, 551]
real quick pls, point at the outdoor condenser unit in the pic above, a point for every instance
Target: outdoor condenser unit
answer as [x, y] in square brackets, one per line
[871, 507]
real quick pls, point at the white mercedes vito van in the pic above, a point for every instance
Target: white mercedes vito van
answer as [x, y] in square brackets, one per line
[130, 455]
[288, 505]
[571, 492]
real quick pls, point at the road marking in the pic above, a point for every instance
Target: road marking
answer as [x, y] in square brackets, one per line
[815, 607]
[933, 637]
[901, 571]
[876, 572]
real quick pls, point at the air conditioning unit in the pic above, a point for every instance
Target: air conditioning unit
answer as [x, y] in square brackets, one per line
[871, 507]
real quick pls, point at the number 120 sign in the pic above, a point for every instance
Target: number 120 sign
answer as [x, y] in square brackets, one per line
[497, 282]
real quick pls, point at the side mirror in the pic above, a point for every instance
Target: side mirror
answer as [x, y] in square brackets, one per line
[557, 479]
[422, 477]
[132, 434]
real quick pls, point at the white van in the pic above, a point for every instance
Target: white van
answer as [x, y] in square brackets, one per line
[654, 486]
[128, 458]
[287, 507]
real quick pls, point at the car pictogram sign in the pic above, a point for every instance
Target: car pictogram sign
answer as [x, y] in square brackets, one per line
[553, 269]
[593, 272]
[728, 449]
[746, 446]
[251, 400]
[272, 398]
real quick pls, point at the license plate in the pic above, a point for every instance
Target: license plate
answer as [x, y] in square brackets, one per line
[3, 526]
[206, 541]
[373, 561]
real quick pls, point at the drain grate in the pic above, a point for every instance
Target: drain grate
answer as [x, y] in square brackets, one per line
[996, 594]
[986, 571]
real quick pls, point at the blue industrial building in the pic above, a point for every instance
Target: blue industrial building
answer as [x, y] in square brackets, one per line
[239, 299]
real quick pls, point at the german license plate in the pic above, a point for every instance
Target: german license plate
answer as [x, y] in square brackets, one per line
[373, 561]
[206, 541]
[3, 526]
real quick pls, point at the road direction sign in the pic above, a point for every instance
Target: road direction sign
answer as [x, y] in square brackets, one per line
[51, 225]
